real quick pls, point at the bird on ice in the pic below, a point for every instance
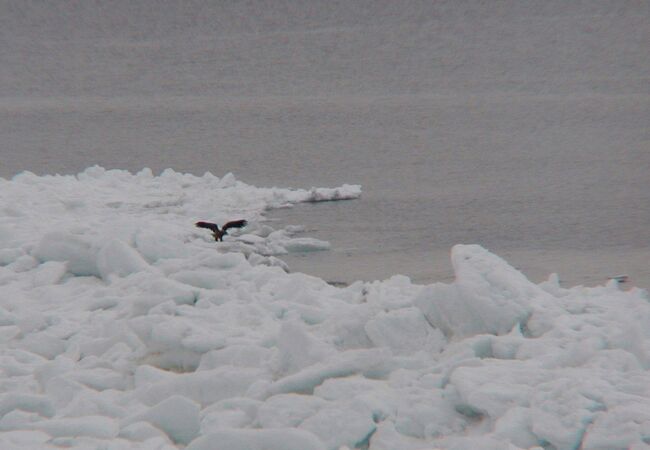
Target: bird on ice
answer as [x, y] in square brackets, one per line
[220, 233]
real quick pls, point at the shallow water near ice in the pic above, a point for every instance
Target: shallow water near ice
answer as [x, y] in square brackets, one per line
[520, 128]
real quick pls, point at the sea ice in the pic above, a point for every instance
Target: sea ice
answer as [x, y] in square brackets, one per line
[266, 439]
[122, 326]
[177, 416]
[117, 258]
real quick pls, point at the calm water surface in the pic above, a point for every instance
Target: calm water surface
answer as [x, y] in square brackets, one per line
[523, 128]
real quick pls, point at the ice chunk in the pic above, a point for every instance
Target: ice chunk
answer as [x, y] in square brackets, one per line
[9, 255]
[63, 390]
[235, 355]
[561, 410]
[26, 402]
[22, 439]
[178, 416]
[341, 425]
[387, 438]
[488, 296]
[404, 331]
[19, 420]
[372, 362]
[100, 378]
[79, 254]
[225, 419]
[623, 426]
[298, 349]
[235, 412]
[271, 439]
[298, 245]
[141, 431]
[251, 239]
[160, 290]
[205, 279]
[515, 427]
[92, 426]
[345, 192]
[256, 259]
[227, 181]
[8, 333]
[205, 387]
[43, 343]
[347, 387]
[60, 365]
[472, 442]
[147, 375]
[24, 263]
[490, 389]
[426, 413]
[119, 259]
[49, 273]
[288, 410]
[95, 171]
[159, 245]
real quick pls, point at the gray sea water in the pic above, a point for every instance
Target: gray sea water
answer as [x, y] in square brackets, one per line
[523, 126]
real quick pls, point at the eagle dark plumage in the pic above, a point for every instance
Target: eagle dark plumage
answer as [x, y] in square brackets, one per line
[220, 233]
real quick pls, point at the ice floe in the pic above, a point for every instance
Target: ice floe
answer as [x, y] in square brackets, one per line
[123, 326]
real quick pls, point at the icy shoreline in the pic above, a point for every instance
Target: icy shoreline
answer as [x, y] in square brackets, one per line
[123, 327]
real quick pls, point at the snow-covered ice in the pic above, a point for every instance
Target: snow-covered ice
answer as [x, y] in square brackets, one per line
[123, 326]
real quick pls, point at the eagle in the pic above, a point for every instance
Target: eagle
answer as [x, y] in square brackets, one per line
[220, 233]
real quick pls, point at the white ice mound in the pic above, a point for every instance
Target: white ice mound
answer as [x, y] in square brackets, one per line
[488, 296]
[119, 259]
[80, 256]
[404, 331]
[177, 416]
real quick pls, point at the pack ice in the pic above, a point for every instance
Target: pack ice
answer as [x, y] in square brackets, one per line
[122, 326]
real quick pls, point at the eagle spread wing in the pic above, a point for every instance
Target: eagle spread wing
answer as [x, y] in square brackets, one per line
[210, 226]
[235, 224]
